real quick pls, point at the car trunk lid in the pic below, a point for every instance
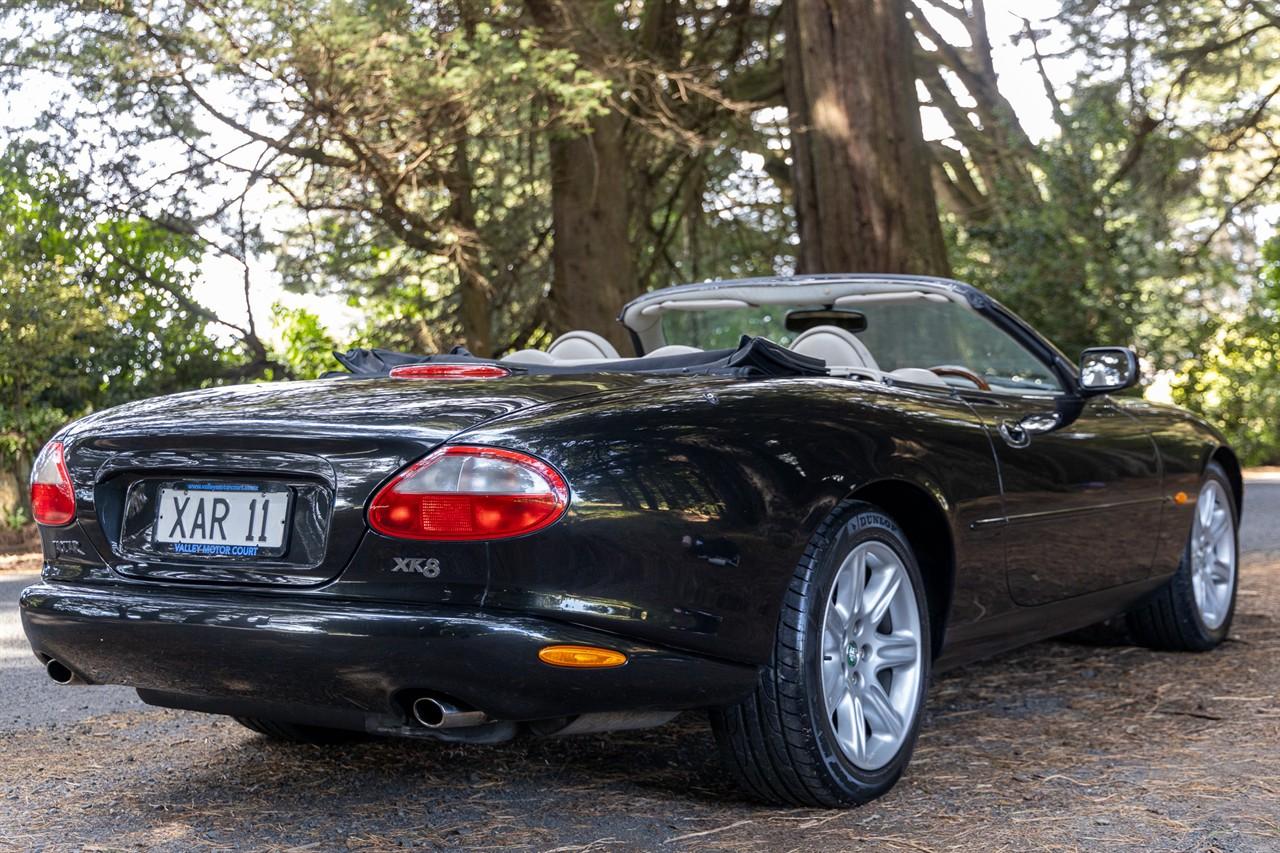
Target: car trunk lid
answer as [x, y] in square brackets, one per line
[329, 443]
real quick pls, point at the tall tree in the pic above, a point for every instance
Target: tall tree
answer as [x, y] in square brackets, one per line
[684, 76]
[398, 139]
[592, 256]
[862, 187]
[1130, 220]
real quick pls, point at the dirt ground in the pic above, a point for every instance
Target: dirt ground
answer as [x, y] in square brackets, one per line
[1056, 747]
[23, 562]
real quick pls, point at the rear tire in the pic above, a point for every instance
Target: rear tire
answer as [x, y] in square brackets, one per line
[296, 732]
[835, 716]
[1193, 611]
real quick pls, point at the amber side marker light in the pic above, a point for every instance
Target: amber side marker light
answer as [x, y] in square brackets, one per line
[581, 657]
[1180, 498]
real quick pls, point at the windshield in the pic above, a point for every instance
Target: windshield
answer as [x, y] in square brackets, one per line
[918, 334]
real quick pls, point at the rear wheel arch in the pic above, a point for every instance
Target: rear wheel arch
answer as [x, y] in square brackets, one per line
[920, 515]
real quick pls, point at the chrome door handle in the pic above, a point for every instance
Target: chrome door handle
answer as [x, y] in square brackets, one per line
[1018, 433]
[1014, 434]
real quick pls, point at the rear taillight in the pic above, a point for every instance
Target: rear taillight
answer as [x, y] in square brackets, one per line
[449, 371]
[53, 499]
[467, 494]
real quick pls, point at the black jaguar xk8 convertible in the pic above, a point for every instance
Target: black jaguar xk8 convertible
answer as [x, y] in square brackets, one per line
[802, 498]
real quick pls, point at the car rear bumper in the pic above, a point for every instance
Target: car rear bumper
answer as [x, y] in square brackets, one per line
[337, 662]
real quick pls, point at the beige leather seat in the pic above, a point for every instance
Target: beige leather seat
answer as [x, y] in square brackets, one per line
[837, 347]
[581, 346]
[527, 356]
[841, 348]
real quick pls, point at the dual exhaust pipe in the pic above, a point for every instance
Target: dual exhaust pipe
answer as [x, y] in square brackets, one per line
[433, 713]
[430, 712]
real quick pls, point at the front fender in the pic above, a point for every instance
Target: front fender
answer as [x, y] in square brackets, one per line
[1186, 444]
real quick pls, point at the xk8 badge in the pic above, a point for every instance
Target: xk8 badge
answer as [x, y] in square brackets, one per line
[428, 568]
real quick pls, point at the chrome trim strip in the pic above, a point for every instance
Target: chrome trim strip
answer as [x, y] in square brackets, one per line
[1028, 517]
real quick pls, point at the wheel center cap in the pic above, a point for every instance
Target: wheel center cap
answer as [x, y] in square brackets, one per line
[851, 655]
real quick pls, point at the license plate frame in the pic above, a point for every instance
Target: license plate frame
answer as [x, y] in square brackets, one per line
[234, 545]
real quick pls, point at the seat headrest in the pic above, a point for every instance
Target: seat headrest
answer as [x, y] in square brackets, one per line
[582, 345]
[672, 349]
[527, 356]
[837, 347]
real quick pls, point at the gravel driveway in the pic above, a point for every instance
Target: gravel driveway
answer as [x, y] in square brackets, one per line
[1055, 747]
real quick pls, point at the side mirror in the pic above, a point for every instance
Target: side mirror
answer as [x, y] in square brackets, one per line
[1107, 369]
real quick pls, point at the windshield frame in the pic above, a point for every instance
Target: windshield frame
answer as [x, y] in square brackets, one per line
[643, 315]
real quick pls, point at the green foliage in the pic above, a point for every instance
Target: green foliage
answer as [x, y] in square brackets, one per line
[14, 519]
[1235, 380]
[467, 102]
[92, 312]
[1270, 277]
[306, 347]
[408, 142]
[407, 138]
[1135, 222]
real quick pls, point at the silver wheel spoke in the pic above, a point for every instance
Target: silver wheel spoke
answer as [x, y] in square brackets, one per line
[834, 682]
[1218, 529]
[1208, 502]
[859, 728]
[832, 637]
[880, 594]
[893, 650]
[851, 726]
[849, 587]
[881, 714]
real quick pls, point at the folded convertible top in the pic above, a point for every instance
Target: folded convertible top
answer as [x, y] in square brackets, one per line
[754, 358]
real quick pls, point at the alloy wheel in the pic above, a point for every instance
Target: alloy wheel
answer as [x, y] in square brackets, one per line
[1213, 555]
[871, 655]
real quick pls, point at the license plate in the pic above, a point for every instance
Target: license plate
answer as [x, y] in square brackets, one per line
[222, 519]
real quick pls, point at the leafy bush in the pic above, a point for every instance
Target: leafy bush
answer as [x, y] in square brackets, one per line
[306, 347]
[1236, 380]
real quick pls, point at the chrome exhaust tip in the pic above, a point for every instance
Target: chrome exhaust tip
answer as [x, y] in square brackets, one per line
[61, 673]
[439, 714]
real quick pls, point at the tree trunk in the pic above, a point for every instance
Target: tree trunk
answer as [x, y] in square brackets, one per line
[476, 309]
[594, 272]
[863, 192]
[594, 275]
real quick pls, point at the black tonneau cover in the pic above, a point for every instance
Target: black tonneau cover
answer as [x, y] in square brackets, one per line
[754, 358]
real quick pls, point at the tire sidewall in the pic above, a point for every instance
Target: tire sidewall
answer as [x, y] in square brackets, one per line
[862, 525]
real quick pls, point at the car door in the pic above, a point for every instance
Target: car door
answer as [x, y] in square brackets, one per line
[1082, 502]
[1080, 477]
